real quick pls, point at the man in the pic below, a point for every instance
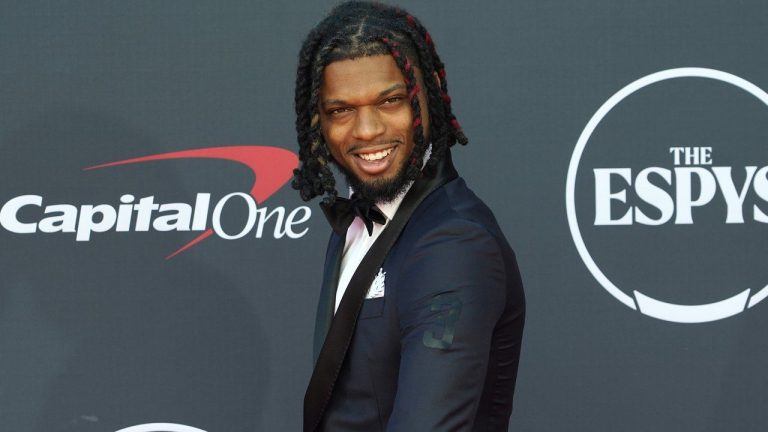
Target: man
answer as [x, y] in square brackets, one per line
[421, 310]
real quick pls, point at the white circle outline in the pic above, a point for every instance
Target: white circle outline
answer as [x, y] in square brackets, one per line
[160, 427]
[687, 72]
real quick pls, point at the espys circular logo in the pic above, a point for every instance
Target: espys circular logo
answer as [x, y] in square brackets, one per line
[160, 427]
[667, 195]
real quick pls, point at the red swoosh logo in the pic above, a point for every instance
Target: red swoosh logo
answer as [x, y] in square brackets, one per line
[272, 167]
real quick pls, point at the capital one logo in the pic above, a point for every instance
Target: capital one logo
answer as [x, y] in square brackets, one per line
[272, 167]
[667, 195]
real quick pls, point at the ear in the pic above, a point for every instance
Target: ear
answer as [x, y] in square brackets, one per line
[437, 79]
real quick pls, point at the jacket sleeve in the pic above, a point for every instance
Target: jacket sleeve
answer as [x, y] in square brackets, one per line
[451, 294]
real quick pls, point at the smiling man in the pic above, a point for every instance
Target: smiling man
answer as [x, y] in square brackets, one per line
[421, 309]
[367, 123]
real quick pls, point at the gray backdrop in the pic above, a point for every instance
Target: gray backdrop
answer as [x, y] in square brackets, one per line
[104, 334]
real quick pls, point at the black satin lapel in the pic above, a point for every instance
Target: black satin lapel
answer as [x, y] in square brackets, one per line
[327, 299]
[334, 348]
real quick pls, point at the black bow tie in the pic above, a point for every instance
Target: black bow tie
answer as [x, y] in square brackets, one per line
[342, 212]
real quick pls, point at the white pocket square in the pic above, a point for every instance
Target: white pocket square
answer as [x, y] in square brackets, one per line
[377, 287]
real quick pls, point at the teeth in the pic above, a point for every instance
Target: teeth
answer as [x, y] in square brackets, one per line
[375, 156]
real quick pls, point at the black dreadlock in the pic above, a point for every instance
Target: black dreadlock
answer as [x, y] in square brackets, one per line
[357, 29]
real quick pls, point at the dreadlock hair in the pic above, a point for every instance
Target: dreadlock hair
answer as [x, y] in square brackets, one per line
[357, 29]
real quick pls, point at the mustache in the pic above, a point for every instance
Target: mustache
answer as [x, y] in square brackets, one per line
[360, 146]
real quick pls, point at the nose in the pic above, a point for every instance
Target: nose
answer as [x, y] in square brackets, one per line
[368, 124]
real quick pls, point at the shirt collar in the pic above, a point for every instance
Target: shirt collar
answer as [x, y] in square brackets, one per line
[390, 208]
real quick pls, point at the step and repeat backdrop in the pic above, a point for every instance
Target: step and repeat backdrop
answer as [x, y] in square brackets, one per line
[158, 273]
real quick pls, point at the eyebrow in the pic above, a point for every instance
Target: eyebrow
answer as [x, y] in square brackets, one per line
[384, 92]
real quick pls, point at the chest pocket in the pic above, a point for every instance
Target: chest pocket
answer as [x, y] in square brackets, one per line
[372, 308]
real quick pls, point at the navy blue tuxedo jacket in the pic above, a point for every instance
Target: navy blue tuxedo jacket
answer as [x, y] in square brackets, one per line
[439, 351]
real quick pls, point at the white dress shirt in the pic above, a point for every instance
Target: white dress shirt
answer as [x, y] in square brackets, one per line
[358, 242]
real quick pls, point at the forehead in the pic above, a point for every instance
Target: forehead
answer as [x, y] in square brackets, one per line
[360, 77]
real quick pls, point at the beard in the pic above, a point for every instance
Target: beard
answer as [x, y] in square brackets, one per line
[379, 190]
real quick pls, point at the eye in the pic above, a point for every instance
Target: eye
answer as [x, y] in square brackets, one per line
[393, 100]
[338, 111]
